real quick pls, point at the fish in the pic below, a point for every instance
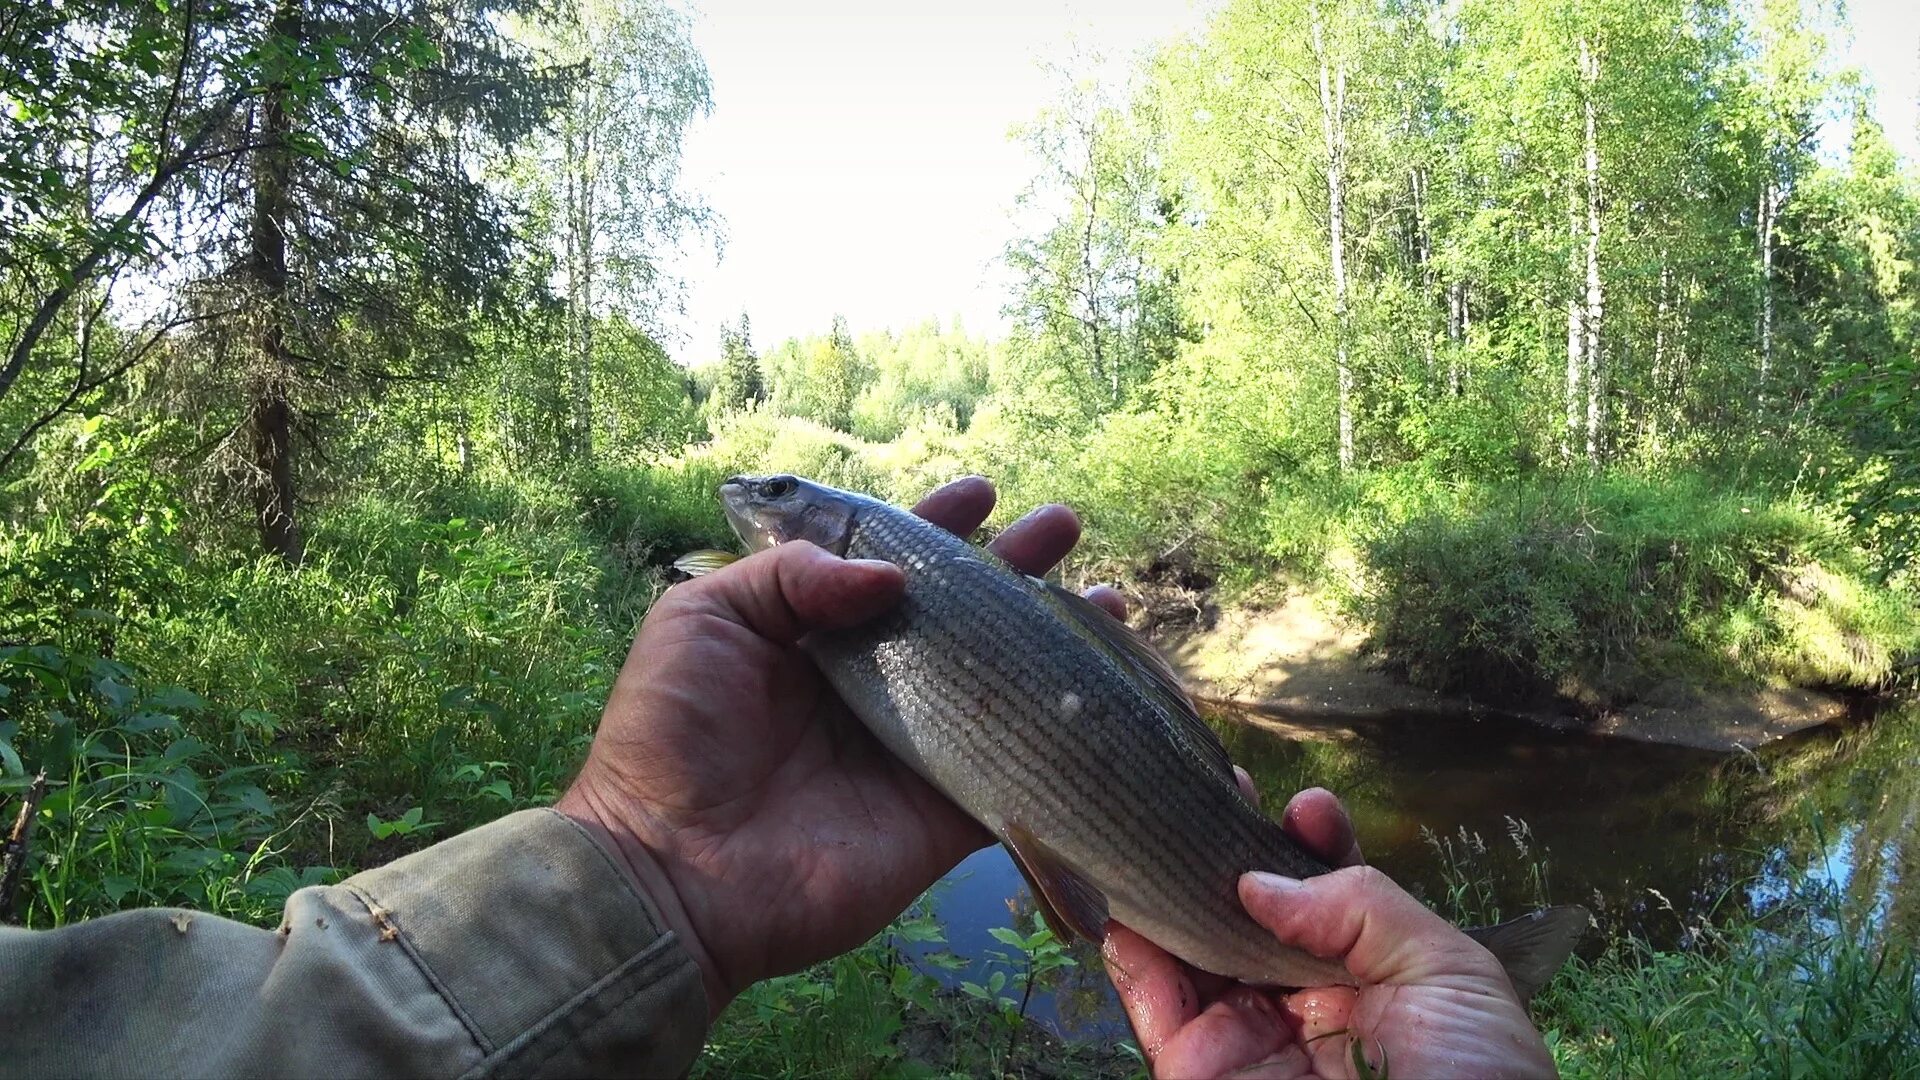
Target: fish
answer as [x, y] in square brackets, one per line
[1071, 739]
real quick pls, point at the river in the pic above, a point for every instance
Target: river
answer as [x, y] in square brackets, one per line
[1496, 817]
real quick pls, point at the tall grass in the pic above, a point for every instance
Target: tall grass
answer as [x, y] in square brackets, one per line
[1596, 586]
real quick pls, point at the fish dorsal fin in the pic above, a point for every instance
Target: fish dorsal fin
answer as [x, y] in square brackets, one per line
[1157, 677]
[1071, 906]
[1532, 947]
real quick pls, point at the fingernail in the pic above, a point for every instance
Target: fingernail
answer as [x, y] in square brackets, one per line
[873, 564]
[1275, 883]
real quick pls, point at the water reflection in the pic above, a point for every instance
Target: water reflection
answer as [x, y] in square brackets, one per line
[1654, 839]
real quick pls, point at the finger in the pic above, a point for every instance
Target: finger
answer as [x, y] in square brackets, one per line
[1038, 541]
[1243, 1033]
[1359, 916]
[959, 506]
[1320, 824]
[1322, 1020]
[1154, 988]
[1245, 780]
[1109, 599]
[792, 589]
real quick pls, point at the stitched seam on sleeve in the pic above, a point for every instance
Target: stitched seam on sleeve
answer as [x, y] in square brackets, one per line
[621, 874]
[383, 917]
[634, 968]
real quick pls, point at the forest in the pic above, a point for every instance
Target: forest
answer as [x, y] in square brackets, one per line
[1561, 348]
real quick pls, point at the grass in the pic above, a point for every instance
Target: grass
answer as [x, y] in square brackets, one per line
[1790, 996]
[221, 730]
[1596, 587]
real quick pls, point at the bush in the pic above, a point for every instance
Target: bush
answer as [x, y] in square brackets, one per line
[217, 729]
[1598, 583]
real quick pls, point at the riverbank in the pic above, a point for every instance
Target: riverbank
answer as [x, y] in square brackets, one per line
[1297, 656]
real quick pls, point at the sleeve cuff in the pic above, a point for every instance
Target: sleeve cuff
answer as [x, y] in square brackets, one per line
[545, 950]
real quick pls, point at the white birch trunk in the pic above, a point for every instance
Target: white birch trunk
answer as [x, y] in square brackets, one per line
[1576, 351]
[1423, 254]
[1456, 369]
[1333, 104]
[1596, 369]
[1659, 375]
[1764, 226]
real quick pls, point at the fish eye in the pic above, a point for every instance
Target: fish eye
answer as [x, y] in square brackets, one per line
[779, 487]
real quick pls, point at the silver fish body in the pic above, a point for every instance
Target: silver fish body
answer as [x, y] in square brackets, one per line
[1042, 718]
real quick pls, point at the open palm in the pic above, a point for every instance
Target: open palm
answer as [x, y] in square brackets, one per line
[768, 826]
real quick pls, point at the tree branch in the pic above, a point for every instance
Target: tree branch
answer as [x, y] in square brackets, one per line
[50, 305]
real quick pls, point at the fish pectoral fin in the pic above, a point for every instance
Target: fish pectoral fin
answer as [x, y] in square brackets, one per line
[704, 561]
[1532, 947]
[1070, 904]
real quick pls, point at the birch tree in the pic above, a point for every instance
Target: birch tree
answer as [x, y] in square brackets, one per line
[611, 171]
[1788, 89]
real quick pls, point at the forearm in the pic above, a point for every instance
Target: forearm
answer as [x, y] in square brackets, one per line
[517, 948]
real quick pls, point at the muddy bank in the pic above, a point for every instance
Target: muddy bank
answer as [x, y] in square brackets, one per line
[1294, 656]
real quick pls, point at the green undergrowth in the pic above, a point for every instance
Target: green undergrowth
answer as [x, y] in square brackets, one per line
[1595, 586]
[1598, 586]
[903, 1006]
[219, 730]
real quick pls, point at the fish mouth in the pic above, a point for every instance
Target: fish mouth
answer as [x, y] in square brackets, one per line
[737, 503]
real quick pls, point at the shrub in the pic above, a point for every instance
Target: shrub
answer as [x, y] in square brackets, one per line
[1602, 582]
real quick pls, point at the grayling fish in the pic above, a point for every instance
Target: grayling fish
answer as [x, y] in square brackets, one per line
[1051, 724]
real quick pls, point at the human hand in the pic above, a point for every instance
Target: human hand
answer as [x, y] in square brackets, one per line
[1432, 1002]
[766, 824]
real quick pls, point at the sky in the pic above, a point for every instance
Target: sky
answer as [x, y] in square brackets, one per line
[859, 152]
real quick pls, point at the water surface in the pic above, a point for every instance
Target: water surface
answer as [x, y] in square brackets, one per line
[1501, 816]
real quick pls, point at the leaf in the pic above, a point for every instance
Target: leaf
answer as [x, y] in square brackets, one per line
[254, 799]
[142, 722]
[177, 699]
[1008, 936]
[116, 693]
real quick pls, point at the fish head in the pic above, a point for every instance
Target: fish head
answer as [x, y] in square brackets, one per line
[769, 510]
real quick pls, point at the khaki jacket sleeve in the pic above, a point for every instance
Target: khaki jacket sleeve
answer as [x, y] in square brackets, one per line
[516, 949]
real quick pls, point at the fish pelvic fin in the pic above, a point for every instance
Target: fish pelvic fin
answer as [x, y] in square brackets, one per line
[1532, 947]
[1072, 906]
[705, 561]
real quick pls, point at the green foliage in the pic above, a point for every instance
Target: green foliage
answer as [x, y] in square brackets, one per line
[1593, 586]
[1745, 1000]
[739, 382]
[1717, 476]
[1807, 989]
[877, 1012]
[140, 810]
[217, 730]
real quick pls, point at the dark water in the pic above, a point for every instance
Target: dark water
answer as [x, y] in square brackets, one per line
[1497, 817]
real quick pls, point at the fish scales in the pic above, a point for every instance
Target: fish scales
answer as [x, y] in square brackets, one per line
[971, 680]
[1046, 721]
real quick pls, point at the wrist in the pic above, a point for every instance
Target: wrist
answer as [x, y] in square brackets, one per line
[647, 869]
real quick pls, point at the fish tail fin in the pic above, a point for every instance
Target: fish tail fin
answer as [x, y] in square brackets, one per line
[1532, 947]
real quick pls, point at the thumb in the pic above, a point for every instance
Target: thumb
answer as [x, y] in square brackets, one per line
[1360, 917]
[793, 589]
